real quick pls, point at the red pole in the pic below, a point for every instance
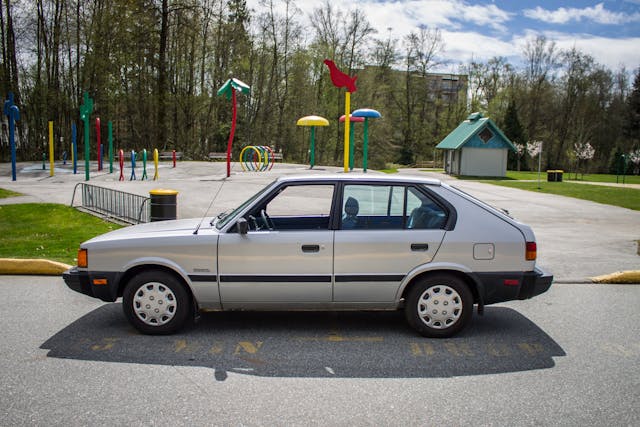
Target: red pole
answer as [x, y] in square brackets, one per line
[121, 158]
[174, 158]
[99, 143]
[233, 130]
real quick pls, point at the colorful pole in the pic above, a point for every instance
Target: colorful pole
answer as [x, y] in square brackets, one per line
[110, 136]
[133, 166]
[312, 155]
[121, 161]
[74, 146]
[85, 112]
[13, 114]
[51, 158]
[155, 162]
[365, 146]
[234, 114]
[99, 143]
[144, 165]
[347, 122]
[173, 155]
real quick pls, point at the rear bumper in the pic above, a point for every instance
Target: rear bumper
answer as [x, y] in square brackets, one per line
[535, 283]
[101, 285]
[508, 286]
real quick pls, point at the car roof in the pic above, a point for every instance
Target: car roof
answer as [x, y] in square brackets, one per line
[361, 177]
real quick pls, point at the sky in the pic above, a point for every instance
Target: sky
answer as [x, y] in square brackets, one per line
[608, 30]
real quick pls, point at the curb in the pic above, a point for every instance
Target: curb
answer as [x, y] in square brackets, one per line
[35, 267]
[619, 277]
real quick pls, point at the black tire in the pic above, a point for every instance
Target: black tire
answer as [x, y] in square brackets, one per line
[439, 306]
[156, 303]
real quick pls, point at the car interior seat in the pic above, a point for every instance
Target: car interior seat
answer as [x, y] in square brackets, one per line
[350, 217]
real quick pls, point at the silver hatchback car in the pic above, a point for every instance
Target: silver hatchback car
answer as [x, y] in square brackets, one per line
[321, 242]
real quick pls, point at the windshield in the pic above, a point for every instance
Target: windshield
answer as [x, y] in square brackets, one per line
[225, 218]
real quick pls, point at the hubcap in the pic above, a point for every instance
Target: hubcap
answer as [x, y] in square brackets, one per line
[439, 307]
[154, 304]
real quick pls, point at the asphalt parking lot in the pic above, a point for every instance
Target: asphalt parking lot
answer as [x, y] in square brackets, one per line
[568, 357]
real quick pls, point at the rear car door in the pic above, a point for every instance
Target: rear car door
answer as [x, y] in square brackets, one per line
[386, 231]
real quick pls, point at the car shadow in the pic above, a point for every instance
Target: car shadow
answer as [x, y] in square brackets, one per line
[314, 344]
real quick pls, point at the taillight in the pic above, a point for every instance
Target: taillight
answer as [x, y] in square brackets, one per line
[531, 251]
[83, 260]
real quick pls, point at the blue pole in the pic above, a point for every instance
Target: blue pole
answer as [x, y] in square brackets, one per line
[13, 114]
[74, 145]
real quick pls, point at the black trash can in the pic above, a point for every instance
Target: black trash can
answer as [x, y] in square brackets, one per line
[164, 204]
[554, 175]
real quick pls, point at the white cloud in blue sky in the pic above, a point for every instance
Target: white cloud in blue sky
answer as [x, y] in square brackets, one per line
[607, 30]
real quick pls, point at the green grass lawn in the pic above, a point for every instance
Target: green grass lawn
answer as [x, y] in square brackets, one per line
[617, 196]
[569, 176]
[8, 193]
[46, 230]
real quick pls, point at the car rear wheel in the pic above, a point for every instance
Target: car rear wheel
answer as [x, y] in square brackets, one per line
[156, 303]
[439, 306]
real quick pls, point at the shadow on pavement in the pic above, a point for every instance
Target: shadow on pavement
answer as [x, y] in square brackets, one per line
[314, 344]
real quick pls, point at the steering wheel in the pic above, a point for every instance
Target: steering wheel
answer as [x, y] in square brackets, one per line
[266, 219]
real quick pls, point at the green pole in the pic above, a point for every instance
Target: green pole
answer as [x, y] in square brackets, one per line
[144, 164]
[312, 155]
[85, 112]
[351, 145]
[365, 146]
[110, 128]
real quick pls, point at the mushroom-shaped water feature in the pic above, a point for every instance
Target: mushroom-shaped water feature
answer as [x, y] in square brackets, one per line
[352, 119]
[312, 122]
[366, 114]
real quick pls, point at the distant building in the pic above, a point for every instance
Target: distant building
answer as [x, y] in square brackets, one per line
[477, 147]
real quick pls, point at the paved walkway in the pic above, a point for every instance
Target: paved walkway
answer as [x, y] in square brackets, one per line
[576, 238]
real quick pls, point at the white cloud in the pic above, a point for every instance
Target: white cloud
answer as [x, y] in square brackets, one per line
[597, 14]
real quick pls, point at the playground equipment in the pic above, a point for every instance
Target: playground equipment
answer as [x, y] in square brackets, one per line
[312, 122]
[110, 136]
[85, 112]
[13, 115]
[51, 159]
[229, 89]
[352, 144]
[340, 79]
[257, 158]
[99, 143]
[155, 162]
[74, 147]
[133, 166]
[366, 114]
[121, 161]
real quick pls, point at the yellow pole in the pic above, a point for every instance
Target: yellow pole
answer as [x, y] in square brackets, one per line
[155, 163]
[347, 122]
[51, 167]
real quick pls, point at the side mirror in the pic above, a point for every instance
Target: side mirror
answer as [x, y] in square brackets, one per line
[243, 226]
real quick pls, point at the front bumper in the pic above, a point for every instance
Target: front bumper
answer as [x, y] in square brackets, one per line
[101, 285]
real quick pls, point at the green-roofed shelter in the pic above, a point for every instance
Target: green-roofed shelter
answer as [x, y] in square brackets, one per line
[477, 147]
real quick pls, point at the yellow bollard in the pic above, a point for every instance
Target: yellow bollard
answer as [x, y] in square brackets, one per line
[155, 163]
[51, 159]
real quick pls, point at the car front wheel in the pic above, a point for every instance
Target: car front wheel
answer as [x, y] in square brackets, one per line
[439, 306]
[156, 303]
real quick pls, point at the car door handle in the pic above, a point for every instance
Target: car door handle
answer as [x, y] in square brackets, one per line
[419, 246]
[310, 248]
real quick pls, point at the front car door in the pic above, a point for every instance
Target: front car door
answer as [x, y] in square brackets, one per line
[287, 254]
[386, 231]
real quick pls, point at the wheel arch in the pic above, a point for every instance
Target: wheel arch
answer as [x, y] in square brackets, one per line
[476, 288]
[139, 268]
